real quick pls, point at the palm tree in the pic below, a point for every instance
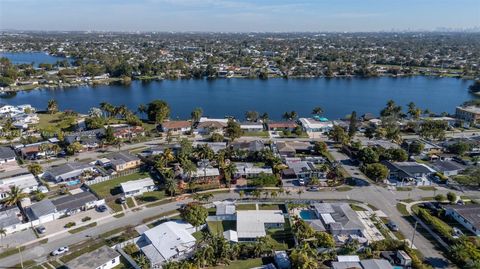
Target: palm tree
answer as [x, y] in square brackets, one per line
[264, 117]
[274, 194]
[14, 195]
[317, 111]
[229, 171]
[142, 109]
[256, 193]
[171, 186]
[241, 194]
[299, 192]
[266, 193]
[52, 106]
[108, 108]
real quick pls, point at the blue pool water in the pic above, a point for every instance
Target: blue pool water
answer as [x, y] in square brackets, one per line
[398, 267]
[73, 182]
[307, 215]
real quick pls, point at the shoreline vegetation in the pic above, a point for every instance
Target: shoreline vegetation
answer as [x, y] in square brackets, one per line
[128, 80]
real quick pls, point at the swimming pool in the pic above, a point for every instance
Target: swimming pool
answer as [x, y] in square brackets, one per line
[307, 214]
[73, 182]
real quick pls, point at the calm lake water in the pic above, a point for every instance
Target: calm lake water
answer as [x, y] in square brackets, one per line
[233, 97]
[29, 57]
[337, 97]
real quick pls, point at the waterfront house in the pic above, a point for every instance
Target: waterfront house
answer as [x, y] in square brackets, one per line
[101, 258]
[137, 187]
[251, 126]
[169, 241]
[315, 126]
[67, 172]
[176, 127]
[90, 139]
[282, 126]
[27, 183]
[466, 215]
[208, 125]
[125, 131]
[469, 114]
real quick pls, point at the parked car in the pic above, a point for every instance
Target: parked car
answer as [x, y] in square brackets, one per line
[392, 226]
[313, 189]
[41, 229]
[60, 251]
[121, 200]
[102, 208]
[301, 181]
[456, 233]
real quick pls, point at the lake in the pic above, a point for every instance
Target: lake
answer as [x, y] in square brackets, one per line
[233, 97]
[32, 57]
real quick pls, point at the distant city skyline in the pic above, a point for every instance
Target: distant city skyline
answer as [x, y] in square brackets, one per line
[240, 16]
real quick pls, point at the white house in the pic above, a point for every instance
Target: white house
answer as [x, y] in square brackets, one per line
[171, 240]
[315, 126]
[252, 224]
[137, 187]
[27, 183]
[11, 220]
[101, 258]
[251, 126]
[248, 170]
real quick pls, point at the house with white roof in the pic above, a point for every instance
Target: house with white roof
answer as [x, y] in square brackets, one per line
[11, 220]
[169, 241]
[252, 224]
[137, 187]
[27, 183]
[249, 170]
[315, 126]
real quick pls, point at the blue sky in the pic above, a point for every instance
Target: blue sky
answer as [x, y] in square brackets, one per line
[238, 15]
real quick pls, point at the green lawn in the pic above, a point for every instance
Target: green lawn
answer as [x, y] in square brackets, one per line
[115, 206]
[427, 188]
[356, 207]
[246, 207]
[402, 208]
[218, 227]
[241, 264]
[130, 203]
[151, 196]
[344, 188]
[47, 120]
[263, 134]
[404, 188]
[112, 187]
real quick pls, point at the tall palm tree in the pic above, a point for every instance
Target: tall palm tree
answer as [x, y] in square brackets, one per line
[317, 111]
[229, 171]
[171, 186]
[256, 194]
[14, 195]
[52, 106]
[241, 194]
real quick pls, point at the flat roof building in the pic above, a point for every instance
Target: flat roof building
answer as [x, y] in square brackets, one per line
[252, 224]
[104, 258]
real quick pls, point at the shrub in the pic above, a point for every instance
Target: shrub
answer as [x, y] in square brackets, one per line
[70, 224]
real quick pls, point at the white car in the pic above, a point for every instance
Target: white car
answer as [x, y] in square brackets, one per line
[60, 251]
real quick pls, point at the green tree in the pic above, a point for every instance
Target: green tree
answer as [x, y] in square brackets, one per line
[352, 128]
[415, 148]
[320, 147]
[171, 186]
[251, 115]
[338, 135]
[433, 129]
[459, 148]
[52, 106]
[452, 197]
[376, 171]
[74, 148]
[368, 155]
[35, 168]
[196, 114]
[317, 111]
[14, 195]
[440, 197]
[194, 214]
[216, 137]
[233, 130]
[158, 111]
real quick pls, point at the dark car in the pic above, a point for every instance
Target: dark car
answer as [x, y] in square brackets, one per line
[102, 208]
[392, 226]
[121, 200]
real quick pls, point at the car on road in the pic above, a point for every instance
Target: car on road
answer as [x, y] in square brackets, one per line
[60, 251]
[456, 233]
[314, 189]
[121, 200]
[392, 226]
[102, 208]
[41, 229]
[301, 181]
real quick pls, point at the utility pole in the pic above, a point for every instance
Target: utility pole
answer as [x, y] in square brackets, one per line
[21, 258]
[414, 232]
